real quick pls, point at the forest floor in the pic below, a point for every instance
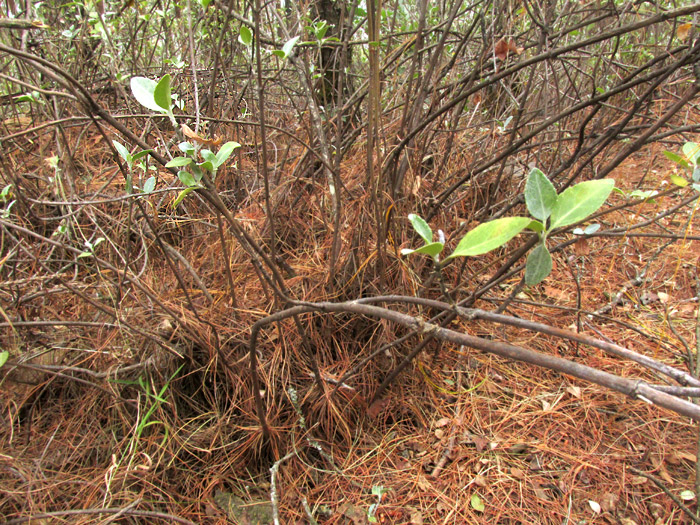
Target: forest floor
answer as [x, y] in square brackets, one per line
[460, 437]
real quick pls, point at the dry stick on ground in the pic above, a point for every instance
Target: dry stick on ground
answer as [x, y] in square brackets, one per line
[636, 389]
[670, 494]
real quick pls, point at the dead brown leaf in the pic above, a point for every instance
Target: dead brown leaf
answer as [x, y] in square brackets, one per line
[684, 30]
[190, 134]
[377, 407]
[505, 47]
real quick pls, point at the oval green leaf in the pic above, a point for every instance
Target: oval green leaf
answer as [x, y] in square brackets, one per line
[186, 178]
[691, 151]
[489, 236]
[208, 155]
[123, 152]
[476, 503]
[149, 185]
[578, 202]
[141, 154]
[4, 355]
[162, 95]
[676, 158]
[433, 249]
[142, 88]
[678, 181]
[540, 195]
[538, 266]
[225, 152]
[289, 45]
[182, 195]
[179, 161]
[536, 226]
[422, 228]
[245, 36]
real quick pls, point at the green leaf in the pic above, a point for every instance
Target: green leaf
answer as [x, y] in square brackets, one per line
[4, 356]
[578, 202]
[143, 89]
[696, 174]
[540, 195]
[643, 194]
[538, 266]
[289, 45]
[686, 495]
[245, 36]
[678, 181]
[186, 178]
[422, 228]
[186, 148]
[286, 48]
[225, 152]
[123, 152]
[691, 151]
[149, 185]
[208, 155]
[179, 161]
[162, 94]
[677, 159]
[141, 154]
[432, 249]
[535, 226]
[183, 194]
[489, 236]
[208, 165]
[696, 187]
[476, 503]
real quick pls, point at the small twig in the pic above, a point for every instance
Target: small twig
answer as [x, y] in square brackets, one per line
[661, 485]
[273, 487]
[307, 509]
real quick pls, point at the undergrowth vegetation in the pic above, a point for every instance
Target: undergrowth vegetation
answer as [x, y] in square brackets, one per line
[223, 292]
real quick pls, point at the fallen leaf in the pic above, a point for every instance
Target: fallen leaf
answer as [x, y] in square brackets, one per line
[627, 521]
[442, 422]
[687, 495]
[480, 481]
[684, 30]
[637, 480]
[677, 456]
[439, 433]
[574, 391]
[356, 514]
[541, 493]
[556, 293]
[663, 297]
[479, 442]
[377, 407]
[581, 247]
[595, 506]
[656, 511]
[477, 504]
[518, 448]
[608, 502]
[416, 518]
[424, 484]
[546, 405]
[517, 473]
